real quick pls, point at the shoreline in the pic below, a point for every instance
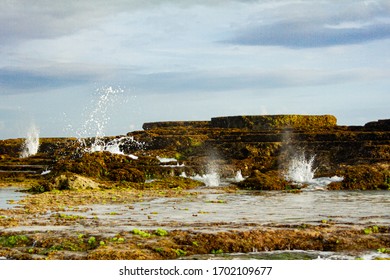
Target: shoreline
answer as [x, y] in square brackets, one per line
[55, 225]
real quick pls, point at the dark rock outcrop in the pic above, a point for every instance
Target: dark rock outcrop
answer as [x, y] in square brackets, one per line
[380, 125]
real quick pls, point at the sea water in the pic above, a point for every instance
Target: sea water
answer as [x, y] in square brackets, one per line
[241, 209]
[9, 197]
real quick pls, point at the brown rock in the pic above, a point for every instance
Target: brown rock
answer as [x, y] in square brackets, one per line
[102, 166]
[363, 177]
[268, 181]
[74, 182]
[266, 122]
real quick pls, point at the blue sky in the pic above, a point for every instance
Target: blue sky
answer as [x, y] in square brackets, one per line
[76, 67]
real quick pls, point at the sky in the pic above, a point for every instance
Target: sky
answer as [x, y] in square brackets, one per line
[88, 67]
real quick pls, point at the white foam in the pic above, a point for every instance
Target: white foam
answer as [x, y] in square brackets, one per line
[210, 180]
[45, 172]
[166, 160]
[239, 178]
[113, 146]
[321, 183]
[133, 156]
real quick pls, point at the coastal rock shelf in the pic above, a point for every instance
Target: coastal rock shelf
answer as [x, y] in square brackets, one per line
[261, 122]
[265, 142]
[195, 188]
[261, 143]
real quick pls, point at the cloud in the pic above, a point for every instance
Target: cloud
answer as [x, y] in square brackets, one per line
[14, 80]
[322, 24]
[42, 19]
[170, 52]
[303, 34]
[214, 81]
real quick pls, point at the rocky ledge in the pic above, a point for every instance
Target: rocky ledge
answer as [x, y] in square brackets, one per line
[261, 147]
[70, 183]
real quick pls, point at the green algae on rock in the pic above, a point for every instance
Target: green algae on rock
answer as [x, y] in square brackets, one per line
[272, 122]
[363, 177]
[269, 181]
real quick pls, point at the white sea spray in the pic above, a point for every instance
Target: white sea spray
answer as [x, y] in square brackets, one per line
[31, 143]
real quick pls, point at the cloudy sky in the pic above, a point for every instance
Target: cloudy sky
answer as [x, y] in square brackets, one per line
[76, 67]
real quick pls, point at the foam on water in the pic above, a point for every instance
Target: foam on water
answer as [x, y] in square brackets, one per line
[213, 179]
[31, 144]
[210, 179]
[238, 178]
[166, 160]
[321, 183]
[112, 146]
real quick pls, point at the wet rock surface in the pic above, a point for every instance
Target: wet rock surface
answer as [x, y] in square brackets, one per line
[146, 224]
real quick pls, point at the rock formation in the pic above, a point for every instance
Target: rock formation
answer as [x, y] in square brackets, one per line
[258, 146]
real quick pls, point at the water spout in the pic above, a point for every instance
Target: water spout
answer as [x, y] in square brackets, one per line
[211, 178]
[31, 144]
[96, 123]
[300, 169]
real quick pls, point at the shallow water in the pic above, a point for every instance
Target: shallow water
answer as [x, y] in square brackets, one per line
[213, 205]
[229, 210]
[291, 255]
[9, 197]
[214, 209]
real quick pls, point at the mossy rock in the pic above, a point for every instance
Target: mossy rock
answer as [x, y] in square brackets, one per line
[127, 174]
[176, 124]
[11, 147]
[66, 181]
[363, 177]
[269, 122]
[102, 166]
[269, 181]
